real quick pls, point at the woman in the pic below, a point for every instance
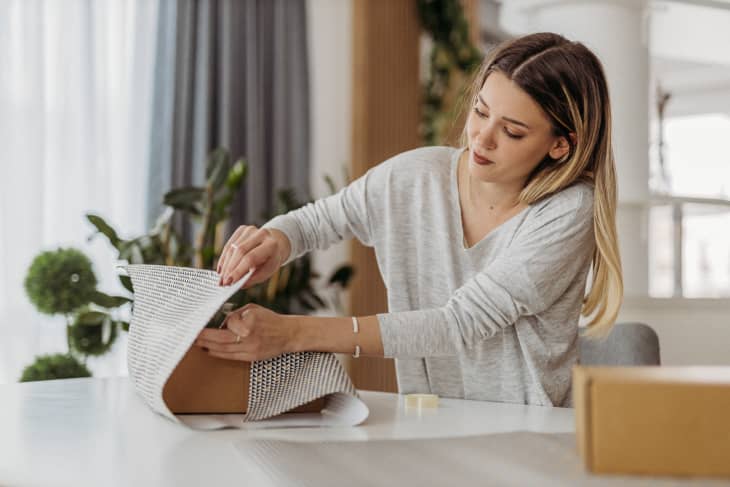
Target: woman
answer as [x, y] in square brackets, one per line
[485, 250]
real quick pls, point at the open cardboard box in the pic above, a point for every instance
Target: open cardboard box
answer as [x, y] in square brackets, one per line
[653, 420]
[202, 384]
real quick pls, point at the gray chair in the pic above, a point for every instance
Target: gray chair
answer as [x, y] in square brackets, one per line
[627, 344]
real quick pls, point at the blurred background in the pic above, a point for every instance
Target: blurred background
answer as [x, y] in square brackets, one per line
[145, 130]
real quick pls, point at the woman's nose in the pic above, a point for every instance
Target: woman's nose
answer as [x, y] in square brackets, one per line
[486, 136]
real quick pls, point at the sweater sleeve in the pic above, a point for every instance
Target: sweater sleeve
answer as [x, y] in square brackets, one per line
[341, 216]
[535, 271]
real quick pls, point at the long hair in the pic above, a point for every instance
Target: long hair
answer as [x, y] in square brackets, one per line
[567, 80]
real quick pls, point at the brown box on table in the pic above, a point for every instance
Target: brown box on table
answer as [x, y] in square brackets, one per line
[202, 384]
[653, 420]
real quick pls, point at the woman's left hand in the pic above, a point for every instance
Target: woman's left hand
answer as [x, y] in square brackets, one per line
[263, 334]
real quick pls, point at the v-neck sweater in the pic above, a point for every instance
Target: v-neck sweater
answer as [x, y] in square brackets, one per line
[497, 321]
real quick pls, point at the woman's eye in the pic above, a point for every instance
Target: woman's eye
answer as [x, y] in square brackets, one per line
[481, 114]
[511, 135]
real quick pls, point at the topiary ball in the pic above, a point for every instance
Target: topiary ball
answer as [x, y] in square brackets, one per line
[88, 338]
[58, 366]
[60, 281]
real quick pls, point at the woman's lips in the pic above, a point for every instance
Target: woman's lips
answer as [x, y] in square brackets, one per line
[482, 161]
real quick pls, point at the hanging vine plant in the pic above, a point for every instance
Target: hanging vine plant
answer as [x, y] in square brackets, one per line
[452, 53]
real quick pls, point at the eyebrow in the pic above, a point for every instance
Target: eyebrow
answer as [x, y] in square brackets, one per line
[516, 122]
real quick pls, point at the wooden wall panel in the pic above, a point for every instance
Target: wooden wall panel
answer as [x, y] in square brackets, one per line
[386, 112]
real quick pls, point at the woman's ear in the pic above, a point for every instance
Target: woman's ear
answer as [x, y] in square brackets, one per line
[561, 147]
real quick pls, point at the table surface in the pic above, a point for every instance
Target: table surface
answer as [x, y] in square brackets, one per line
[98, 432]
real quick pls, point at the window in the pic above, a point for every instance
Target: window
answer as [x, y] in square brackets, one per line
[689, 221]
[76, 81]
[689, 218]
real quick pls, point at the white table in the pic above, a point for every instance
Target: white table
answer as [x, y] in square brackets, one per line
[98, 432]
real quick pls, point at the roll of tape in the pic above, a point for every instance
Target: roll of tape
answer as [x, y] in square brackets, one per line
[422, 401]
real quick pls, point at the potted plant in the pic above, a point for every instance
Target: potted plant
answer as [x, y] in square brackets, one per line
[62, 281]
[207, 208]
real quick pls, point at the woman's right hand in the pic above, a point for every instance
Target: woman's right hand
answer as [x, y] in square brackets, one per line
[249, 248]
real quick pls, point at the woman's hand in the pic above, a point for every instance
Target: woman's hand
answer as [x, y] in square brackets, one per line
[263, 334]
[252, 248]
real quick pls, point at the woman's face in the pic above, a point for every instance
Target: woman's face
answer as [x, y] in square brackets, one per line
[508, 133]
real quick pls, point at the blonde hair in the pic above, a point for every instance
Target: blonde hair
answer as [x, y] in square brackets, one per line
[567, 80]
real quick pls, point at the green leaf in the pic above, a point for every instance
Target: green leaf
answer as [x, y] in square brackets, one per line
[218, 171]
[237, 174]
[219, 211]
[162, 221]
[186, 199]
[208, 254]
[60, 281]
[107, 301]
[104, 228]
[216, 160]
[127, 283]
[91, 318]
[223, 197]
[135, 255]
[58, 366]
[127, 252]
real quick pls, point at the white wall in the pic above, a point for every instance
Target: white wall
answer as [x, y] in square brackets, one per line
[330, 74]
[691, 331]
[689, 32]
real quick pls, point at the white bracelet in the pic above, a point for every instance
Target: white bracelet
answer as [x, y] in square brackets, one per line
[355, 329]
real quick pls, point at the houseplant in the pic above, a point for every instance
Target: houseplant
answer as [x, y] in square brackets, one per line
[207, 208]
[92, 317]
[452, 59]
[62, 281]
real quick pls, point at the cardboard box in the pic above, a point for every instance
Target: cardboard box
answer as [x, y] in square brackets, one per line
[202, 384]
[653, 420]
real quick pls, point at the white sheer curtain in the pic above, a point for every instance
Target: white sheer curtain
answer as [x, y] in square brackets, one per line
[75, 102]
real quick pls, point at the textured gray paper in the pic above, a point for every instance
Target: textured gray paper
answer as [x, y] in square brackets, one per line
[516, 459]
[173, 304]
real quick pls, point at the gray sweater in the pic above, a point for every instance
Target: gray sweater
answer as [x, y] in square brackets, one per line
[497, 321]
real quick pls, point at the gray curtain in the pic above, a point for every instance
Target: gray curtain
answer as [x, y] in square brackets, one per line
[231, 73]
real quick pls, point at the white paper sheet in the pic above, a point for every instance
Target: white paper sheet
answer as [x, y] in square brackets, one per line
[173, 304]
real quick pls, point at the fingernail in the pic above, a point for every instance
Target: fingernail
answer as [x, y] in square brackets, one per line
[229, 280]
